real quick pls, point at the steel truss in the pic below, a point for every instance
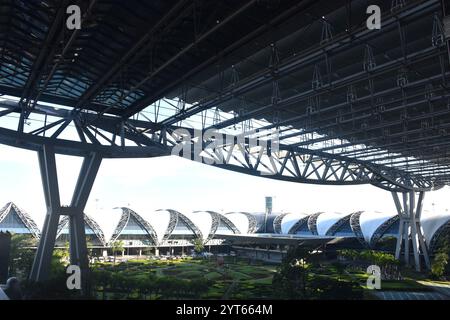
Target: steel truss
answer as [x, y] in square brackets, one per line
[291, 163]
[128, 214]
[105, 99]
[443, 230]
[356, 227]
[216, 219]
[278, 221]
[23, 216]
[338, 224]
[252, 222]
[297, 226]
[175, 217]
[410, 231]
[64, 222]
[378, 234]
[312, 222]
[273, 160]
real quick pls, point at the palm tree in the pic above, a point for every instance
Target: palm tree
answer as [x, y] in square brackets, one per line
[117, 246]
[198, 246]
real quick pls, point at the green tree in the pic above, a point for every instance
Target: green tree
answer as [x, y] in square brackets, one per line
[199, 247]
[290, 280]
[21, 255]
[102, 278]
[117, 246]
[439, 265]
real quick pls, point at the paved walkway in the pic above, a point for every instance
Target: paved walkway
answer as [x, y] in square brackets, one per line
[405, 295]
[439, 287]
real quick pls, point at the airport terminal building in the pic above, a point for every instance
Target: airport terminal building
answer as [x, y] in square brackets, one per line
[170, 232]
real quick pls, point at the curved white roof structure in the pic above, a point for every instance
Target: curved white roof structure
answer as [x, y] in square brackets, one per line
[160, 221]
[133, 227]
[213, 223]
[245, 222]
[285, 221]
[92, 231]
[204, 222]
[325, 221]
[15, 220]
[155, 227]
[225, 225]
[432, 224]
[371, 221]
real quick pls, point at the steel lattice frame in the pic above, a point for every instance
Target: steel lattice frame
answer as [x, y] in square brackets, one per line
[23, 216]
[91, 224]
[312, 222]
[383, 119]
[216, 219]
[278, 221]
[442, 231]
[128, 214]
[296, 227]
[101, 106]
[252, 221]
[175, 216]
[356, 227]
[229, 224]
[381, 230]
[338, 224]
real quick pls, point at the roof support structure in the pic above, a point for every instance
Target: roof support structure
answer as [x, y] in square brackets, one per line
[78, 250]
[410, 230]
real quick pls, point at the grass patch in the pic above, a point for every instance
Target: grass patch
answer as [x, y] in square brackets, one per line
[403, 285]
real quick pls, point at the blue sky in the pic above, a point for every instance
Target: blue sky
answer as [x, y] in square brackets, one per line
[177, 183]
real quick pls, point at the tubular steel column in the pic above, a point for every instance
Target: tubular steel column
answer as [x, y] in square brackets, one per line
[77, 237]
[413, 224]
[398, 247]
[421, 238]
[410, 228]
[47, 163]
[406, 226]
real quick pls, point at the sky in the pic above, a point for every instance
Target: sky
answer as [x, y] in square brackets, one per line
[180, 184]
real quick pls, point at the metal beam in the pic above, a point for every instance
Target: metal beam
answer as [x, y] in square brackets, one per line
[42, 262]
[77, 236]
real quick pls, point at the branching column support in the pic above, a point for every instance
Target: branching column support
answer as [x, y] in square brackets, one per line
[78, 249]
[410, 230]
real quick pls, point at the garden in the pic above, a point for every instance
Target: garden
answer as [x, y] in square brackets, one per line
[183, 279]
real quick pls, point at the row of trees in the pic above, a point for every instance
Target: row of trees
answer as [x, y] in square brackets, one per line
[146, 286]
[298, 278]
[361, 259]
[370, 256]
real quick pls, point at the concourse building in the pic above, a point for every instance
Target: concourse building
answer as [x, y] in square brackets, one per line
[257, 235]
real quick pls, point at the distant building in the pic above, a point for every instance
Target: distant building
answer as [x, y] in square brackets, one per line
[94, 235]
[173, 232]
[17, 221]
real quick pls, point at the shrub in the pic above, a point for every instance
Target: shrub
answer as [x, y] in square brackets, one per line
[439, 265]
